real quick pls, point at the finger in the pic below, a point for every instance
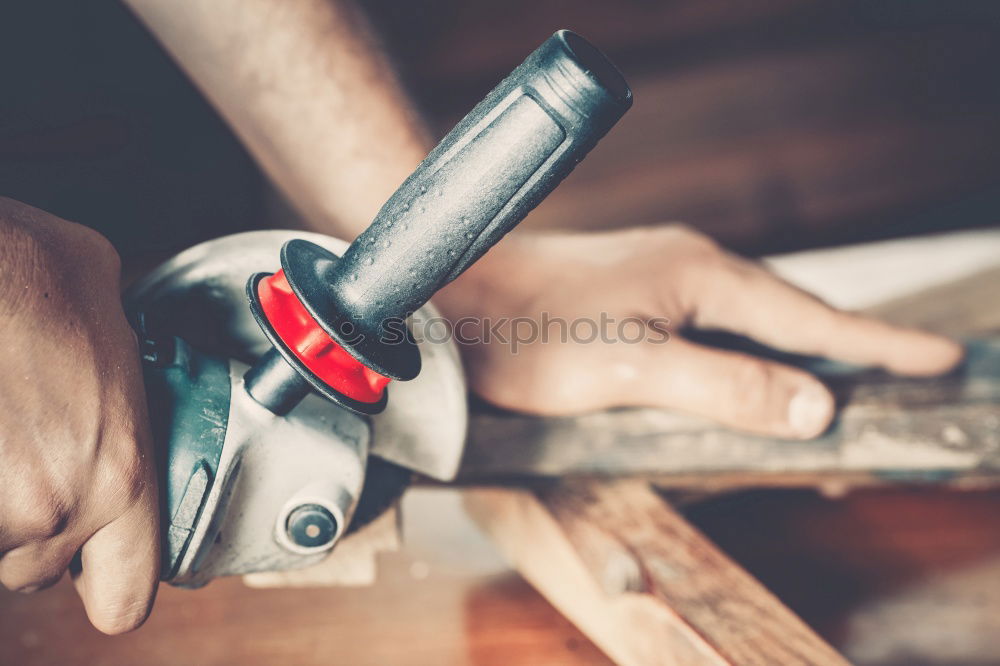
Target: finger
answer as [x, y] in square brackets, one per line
[33, 513]
[745, 298]
[119, 568]
[740, 391]
[37, 565]
[737, 390]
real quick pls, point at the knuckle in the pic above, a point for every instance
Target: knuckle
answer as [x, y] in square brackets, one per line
[41, 513]
[35, 583]
[98, 244]
[32, 568]
[697, 243]
[47, 521]
[110, 255]
[747, 271]
[701, 266]
[100, 252]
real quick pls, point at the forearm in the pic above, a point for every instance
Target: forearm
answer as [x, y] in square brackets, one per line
[308, 90]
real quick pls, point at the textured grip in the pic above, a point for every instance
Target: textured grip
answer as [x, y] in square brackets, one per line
[496, 165]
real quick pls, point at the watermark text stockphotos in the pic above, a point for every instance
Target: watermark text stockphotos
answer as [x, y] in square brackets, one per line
[518, 332]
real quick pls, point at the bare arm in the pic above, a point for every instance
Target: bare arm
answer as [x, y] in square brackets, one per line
[308, 90]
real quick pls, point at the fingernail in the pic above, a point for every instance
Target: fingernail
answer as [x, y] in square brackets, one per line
[810, 411]
[28, 589]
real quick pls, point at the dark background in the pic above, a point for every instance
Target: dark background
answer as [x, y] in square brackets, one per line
[771, 125]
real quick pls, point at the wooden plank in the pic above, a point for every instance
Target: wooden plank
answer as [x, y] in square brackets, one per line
[889, 429]
[640, 581]
[867, 276]
[961, 308]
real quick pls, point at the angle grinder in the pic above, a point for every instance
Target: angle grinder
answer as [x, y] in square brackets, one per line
[268, 356]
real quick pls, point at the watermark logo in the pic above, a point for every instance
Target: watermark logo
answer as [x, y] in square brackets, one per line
[519, 332]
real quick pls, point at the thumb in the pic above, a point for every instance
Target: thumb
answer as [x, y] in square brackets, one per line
[737, 390]
[118, 569]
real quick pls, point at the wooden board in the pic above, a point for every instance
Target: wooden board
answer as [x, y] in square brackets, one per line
[643, 584]
[889, 429]
[961, 308]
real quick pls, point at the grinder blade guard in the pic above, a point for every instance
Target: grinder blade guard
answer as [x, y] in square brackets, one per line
[265, 413]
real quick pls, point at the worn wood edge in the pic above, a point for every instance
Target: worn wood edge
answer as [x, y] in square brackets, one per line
[532, 541]
[830, 484]
[960, 308]
[892, 429]
[610, 557]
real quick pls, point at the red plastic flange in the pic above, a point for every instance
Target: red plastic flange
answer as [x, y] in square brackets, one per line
[319, 352]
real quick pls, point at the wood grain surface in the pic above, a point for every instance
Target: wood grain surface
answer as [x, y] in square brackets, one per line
[888, 430]
[641, 582]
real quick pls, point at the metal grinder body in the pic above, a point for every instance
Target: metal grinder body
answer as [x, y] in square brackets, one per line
[267, 354]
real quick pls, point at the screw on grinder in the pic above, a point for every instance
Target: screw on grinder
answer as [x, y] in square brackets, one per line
[337, 324]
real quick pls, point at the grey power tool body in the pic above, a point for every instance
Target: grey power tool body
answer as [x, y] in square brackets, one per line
[268, 459]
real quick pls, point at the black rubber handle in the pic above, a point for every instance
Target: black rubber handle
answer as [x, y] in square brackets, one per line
[496, 165]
